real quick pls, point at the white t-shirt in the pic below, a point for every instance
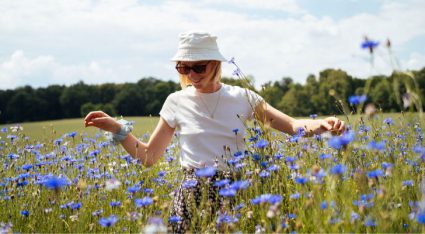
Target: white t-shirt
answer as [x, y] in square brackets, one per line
[203, 139]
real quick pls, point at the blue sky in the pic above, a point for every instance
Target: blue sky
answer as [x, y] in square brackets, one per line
[61, 42]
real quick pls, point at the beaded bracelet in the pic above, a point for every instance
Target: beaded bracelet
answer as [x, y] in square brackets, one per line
[126, 128]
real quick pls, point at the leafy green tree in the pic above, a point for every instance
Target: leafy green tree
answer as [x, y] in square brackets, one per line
[74, 96]
[130, 101]
[295, 102]
[53, 107]
[334, 89]
[381, 94]
[5, 96]
[271, 93]
[87, 108]
[25, 106]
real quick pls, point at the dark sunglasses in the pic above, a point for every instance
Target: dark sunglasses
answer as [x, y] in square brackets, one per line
[185, 70]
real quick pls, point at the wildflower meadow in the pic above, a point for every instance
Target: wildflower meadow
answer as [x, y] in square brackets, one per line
[370, 179]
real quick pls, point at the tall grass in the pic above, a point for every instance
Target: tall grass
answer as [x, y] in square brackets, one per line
[373, 183]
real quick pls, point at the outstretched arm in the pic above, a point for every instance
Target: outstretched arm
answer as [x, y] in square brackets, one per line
[149, 153]
[282, 122]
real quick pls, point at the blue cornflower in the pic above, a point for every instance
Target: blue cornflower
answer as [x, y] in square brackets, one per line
[273, 167]
[227, 192]
[115, 203]
[238, 207]
[420, 217]
[22, 183]
[174, 219]
[222, 183]
[25, 213]
[206, 172]
[13, 156]
[148, 190]
[261, 144]
[376, 145]
[235, 130]
[58, 141]
[408, 183]
[313, 116]
[354, 216]
[301, 180]
[386, 165]
[11, 137]
[370, 223]
[264, 174]
[97, 212]
[278, 156]
[295, 196]
[236, 72]
[94, 153]
[270, 198]
[369, 44]
[338, 169]
[239, 185]
[162, 173]
[142, 202]
[71, 134]
[240, 165]
[189, 184]
[133, 189]
[170, 158]
[292, 216]
[324, 205]
[109, 221]
[53, 182]
[231, 60]
[325, 156]
[355, 100]
[26, 167]
[75, 206]
[224, 218]
[4, 130]
[338, 142]
[289, 159]
[375, 173]
[389, 121]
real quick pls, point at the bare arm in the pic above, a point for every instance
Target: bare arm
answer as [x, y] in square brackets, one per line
[149, 153]
[284, 123]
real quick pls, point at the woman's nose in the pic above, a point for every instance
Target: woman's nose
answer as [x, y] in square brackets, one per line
[191, 73]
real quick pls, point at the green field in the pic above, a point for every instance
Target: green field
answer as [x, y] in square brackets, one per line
[56, 128]
[368, 180]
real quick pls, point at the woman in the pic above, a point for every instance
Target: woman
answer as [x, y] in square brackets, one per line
[207, 114]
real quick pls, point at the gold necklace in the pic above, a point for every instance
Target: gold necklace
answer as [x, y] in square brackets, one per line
[215, 107]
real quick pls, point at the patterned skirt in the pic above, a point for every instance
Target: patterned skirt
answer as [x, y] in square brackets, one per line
[187, 201]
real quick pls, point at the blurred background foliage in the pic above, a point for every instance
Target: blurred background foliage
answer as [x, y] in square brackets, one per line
[326, 94]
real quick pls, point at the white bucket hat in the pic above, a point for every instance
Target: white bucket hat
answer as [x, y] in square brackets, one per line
[197, 46]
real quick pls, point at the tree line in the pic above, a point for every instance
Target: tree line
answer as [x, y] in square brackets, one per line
[327, 94]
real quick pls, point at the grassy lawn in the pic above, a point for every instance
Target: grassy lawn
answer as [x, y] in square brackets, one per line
[56, 128]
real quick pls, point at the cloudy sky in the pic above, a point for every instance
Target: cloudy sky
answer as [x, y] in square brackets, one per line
[61, 42]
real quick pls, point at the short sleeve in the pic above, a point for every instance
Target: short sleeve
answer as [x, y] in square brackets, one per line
[253, 98]
[169, 110]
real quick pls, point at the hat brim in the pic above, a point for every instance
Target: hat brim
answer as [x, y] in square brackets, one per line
[188, 56]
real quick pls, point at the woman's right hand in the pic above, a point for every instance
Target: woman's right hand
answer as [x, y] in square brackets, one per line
[103, 121]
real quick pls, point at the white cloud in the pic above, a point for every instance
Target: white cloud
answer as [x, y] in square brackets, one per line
[19, 70]
[118, 41]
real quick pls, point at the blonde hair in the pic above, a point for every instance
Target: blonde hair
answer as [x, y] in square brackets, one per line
[216, 74]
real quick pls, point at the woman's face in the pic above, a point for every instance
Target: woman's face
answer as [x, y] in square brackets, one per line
[200, 73]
